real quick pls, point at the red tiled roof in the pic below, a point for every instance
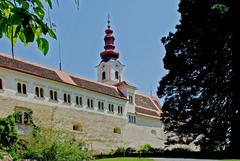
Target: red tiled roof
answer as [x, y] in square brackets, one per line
[14, 64]
[147, 112]
[144, 101]
[97, 87]
[156, 101]
[59, 76]
[147, 105]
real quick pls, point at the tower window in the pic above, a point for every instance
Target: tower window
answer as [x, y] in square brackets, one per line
[130, 99]
[116, 75]
[1, 84]
[103, 75]
[21, 88]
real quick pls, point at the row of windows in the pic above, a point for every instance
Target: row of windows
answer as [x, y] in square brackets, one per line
[39, 92]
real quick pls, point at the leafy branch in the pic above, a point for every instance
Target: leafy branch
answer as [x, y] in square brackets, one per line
[24, 20]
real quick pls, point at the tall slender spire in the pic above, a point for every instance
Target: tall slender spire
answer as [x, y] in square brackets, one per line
[108, 21]
[109, 47]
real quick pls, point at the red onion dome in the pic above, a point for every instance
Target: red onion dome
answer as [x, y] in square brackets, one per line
[109, 47]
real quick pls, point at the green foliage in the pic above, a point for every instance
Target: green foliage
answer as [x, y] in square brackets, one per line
[198, 89]
[125, 159]
[221, 7]
[8, 132]
[120, 151]
[146, 148]
[54, 146]
[181, 150]
[24, 20]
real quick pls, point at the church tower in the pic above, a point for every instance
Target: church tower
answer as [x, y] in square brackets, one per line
[110, 70]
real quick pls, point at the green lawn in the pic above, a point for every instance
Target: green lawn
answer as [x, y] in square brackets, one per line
[125, 159]
[232, 160]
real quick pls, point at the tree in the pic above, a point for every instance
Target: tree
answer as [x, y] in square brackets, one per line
[24, 20]
[8, 132]
[198, 90]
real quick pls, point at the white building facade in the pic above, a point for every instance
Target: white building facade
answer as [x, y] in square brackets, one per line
[25, 86]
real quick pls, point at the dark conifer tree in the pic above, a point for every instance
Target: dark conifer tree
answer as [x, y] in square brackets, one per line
[199, 87]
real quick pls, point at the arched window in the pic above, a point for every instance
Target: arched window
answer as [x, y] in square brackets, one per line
[51, 94]
[88, 102]
[99, 105]
[55, 96]
[103, 75]
[24, 88]
[19, 88]
[37, 91]
[65, 97]
[91, 103]
[77, 100]
[102, 106]
[69, 98]
[116, 75]
[41, 92]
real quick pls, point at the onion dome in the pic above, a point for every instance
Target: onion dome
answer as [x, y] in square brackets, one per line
[109, 52]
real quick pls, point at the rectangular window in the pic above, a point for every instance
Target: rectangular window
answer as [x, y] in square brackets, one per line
[66, 98]
[23, 117]
[130, 99]
[21, 88]
[101, 105]
[53, 95]
[77, 100]
[132, 119]
[111, 108]
[39, 92]
[1, 84]
[90, 103]
[120, 110]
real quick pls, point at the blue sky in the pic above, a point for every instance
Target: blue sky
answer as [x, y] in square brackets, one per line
[138, 26]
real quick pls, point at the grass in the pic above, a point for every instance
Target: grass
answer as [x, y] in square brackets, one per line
[231, 160]
[125, 159]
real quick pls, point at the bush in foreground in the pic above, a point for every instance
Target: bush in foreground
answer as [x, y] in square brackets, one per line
[54, 146]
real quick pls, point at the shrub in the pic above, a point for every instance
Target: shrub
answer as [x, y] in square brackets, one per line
[120, 151]
[8, 132]
[146, 148]
[55, 146]
[181, 149]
